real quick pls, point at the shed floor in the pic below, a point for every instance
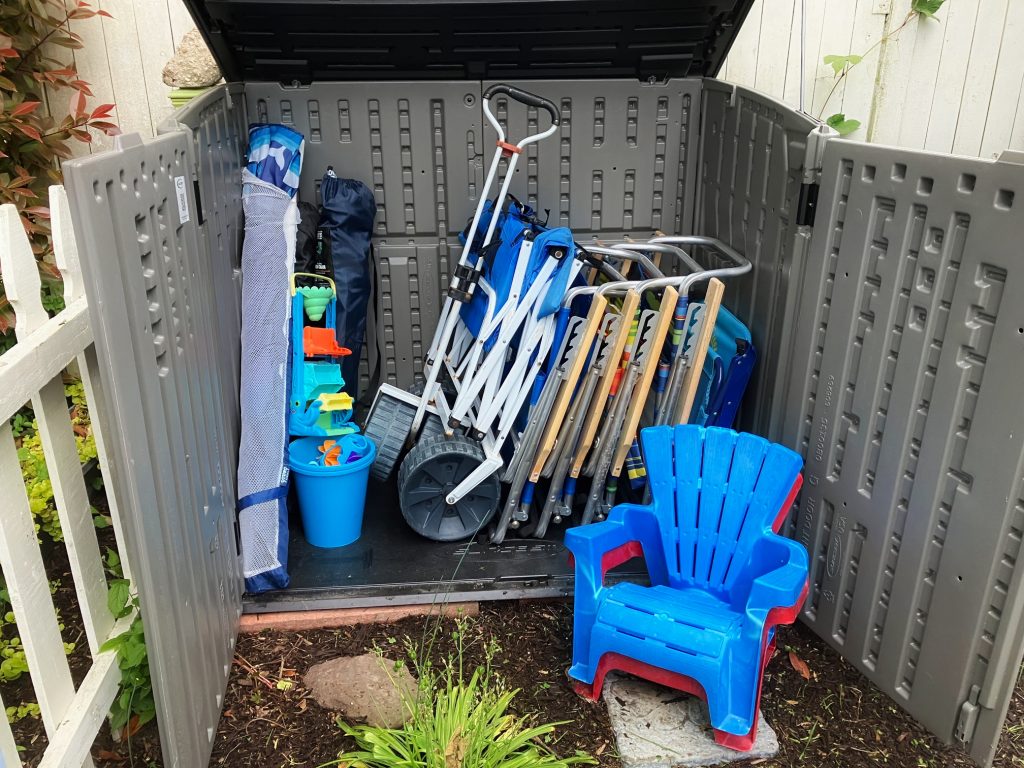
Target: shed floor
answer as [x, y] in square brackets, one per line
[392, 565]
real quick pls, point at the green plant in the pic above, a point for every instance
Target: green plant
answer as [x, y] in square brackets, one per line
[21, 422]
[21, 711]
[31, 140]
[841, 65]
[458, 722]
[13, 663]
[36, 474]
[134, 705]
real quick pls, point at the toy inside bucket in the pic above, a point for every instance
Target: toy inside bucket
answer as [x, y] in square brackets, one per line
[330, 479]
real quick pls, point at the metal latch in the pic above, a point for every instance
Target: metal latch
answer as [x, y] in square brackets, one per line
[968, 719]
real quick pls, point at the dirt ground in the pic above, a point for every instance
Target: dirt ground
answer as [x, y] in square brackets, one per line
[835, 719]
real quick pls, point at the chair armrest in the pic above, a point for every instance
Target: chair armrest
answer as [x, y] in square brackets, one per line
[783, 586]
[630, 530]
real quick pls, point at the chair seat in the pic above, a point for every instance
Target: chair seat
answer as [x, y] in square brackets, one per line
[688, 620]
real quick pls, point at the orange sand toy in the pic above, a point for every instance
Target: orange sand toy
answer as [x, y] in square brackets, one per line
[331, 450]
[321, 341]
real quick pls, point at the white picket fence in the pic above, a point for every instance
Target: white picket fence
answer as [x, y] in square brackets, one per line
[32, 371]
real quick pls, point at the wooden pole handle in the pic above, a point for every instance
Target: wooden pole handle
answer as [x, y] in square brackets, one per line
[688, 391]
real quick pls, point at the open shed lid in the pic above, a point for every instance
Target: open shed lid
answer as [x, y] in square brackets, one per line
[306, 40]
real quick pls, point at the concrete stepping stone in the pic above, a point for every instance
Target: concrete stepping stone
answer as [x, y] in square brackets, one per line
[657, 727]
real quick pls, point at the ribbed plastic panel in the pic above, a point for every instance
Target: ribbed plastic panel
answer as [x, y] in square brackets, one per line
[750, 174]
[906, 402]
[217, 127]
[624, 160]
[152, 301]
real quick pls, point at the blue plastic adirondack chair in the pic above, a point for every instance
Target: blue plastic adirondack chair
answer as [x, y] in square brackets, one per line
[721, 578]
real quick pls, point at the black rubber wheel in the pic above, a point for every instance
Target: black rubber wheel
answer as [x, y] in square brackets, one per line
[429, 472]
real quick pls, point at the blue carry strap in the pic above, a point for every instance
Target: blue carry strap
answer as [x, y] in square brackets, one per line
[270, 494]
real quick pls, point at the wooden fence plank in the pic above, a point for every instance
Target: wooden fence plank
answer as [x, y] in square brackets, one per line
[836, 38]
[859, 89]
[772, 61]
[21, 276]
[958, 35]
[29, 590]
[94, 67]
[125, 64]
[980, 78]
[45, 345]
[743, 54]
[181, 20]
[950, 83]
[1007, 88]
[28, 365]
[76, 733]
[20, 557]
[153, 30]
[919, 69]
[73, 508]
[813, 24]
[9, 757]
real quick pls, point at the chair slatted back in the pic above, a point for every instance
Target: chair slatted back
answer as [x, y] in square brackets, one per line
[716, 492]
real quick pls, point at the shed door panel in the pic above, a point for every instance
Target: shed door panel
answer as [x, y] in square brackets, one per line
[911, 421]
[152, 306]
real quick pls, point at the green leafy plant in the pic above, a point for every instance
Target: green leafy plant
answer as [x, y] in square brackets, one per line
[134, 705]
[21, 711]
[841, 65]
[32, 138]
[842, 126]
[21, 422]
[36, 474]
[458, 722]
[13, 662]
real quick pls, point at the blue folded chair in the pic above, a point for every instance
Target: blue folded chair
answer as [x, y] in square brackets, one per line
[721, 578]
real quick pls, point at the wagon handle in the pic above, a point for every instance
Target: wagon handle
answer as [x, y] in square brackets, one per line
[523, 97]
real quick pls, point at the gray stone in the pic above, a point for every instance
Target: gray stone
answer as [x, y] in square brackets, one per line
[364, 689]
[656, 727]
[193, 65]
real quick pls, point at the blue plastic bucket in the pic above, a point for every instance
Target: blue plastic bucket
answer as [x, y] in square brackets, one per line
[331, 499]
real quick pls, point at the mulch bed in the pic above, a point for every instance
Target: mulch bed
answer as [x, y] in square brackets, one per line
[834, 719]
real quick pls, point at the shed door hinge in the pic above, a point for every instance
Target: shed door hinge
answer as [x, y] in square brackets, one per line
[238, 536]
[807, 205]
[814, 156]
[199, 203]
[968, 719]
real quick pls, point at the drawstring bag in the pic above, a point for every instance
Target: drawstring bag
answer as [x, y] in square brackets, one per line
[269, 185]
[347, 211]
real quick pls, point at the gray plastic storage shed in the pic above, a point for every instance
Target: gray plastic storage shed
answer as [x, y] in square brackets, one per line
[882, 300]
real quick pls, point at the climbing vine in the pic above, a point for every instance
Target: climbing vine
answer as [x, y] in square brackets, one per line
[842, 64]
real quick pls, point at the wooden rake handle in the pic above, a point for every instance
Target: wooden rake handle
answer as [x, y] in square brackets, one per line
[568, 386]
[630, 305]
[643, 387]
